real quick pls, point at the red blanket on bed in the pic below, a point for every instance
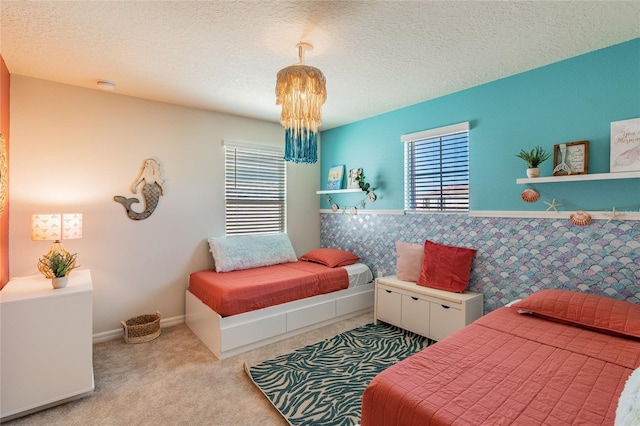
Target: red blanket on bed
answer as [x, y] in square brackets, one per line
[231, 293]
[506, 368]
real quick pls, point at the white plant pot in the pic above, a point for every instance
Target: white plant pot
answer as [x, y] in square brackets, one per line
[533, 173]
[59, 282]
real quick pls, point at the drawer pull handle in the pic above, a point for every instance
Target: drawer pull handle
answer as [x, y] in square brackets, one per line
[414, 298]
[445, 306]
[388, 291]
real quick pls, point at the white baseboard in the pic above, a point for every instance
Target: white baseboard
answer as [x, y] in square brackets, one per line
[118, 333]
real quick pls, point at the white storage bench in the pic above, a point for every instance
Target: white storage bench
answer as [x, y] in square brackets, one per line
[426, 311]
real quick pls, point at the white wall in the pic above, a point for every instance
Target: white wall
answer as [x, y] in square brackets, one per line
[73, 149]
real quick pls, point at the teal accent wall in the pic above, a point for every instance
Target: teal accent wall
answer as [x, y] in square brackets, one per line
[572, 100]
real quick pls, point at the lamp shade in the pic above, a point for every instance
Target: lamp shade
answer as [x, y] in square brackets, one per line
[54, 227]
[71, 226]
[46, 227]
[301, 90]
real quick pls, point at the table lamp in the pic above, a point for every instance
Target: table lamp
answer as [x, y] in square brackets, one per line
[56, 227]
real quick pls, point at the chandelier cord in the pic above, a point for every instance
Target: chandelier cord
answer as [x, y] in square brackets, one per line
[300, 54]
[302, 47]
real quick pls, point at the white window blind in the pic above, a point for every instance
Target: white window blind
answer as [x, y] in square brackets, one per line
[437, 169]
[255, 189]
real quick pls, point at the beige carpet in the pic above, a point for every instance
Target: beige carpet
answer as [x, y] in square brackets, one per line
[175, 380]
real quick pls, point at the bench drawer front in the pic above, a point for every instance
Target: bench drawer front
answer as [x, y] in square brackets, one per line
[415, 314]
[445, 319]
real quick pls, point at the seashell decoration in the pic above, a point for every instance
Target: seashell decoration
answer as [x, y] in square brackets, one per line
[530, 195]
[580, 218]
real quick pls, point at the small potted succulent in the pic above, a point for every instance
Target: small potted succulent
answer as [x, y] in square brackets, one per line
[57, 266]
[533, 159]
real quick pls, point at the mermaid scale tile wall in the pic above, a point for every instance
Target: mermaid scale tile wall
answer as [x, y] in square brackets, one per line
[515, 256]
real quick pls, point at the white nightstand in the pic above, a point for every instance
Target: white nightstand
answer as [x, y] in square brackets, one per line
[46, 347]
[423, 310]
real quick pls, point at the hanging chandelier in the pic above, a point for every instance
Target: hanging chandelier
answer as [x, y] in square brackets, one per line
[301, 90]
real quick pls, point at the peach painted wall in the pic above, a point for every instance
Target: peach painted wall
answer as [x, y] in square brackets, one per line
[4, 128]
[74, 148]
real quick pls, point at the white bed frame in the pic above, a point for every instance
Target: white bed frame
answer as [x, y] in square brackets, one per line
[228, 336]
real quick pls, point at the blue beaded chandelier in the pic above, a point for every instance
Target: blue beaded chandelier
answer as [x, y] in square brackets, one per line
[301, 90]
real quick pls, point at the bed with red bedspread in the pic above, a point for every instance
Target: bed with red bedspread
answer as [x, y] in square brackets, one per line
[259, 292]
[232, 293]
[556, 358]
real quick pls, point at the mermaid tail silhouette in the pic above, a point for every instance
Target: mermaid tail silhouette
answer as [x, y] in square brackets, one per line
[151, 191]
[628, 157]
[151, 195]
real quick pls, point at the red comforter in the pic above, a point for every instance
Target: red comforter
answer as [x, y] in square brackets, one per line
[231, 293]
[506, 368]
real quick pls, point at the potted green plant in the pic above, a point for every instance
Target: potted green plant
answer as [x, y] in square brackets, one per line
[57, 266]
[533, 159]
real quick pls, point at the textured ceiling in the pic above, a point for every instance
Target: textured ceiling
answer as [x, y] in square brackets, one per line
[377, 56]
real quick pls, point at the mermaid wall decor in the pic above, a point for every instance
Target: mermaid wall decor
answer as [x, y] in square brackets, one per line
[152, 189]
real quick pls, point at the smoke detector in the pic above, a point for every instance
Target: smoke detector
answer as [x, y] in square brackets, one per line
[106, 85]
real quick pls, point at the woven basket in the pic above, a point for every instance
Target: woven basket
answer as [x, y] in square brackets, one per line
[141, 329]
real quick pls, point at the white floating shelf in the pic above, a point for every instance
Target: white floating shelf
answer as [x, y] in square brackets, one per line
[574, 178]
[338, 191]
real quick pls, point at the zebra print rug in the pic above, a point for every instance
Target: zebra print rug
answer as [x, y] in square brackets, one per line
[322, 384]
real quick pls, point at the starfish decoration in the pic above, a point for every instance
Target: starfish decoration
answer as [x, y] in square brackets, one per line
[553, 205]
[614, 216]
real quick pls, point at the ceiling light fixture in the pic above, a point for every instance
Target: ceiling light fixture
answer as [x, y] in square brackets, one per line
[301, 90]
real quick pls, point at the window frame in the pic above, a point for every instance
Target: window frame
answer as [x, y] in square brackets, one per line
[255, 183]
[425, 146]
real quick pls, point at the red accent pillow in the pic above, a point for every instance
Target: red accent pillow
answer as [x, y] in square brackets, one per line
[330, 257]
[446, 267]
[584, 309]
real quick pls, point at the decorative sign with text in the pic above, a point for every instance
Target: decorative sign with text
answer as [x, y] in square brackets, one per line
[625, 145]
[571, 158]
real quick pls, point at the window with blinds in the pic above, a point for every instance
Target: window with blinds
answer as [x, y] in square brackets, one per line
[255, 190]
[437, 169]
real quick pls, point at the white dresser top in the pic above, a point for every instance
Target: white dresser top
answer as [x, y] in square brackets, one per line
[37, 286]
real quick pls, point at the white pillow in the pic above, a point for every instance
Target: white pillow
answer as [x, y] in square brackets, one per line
[250, 251]
[628, 410]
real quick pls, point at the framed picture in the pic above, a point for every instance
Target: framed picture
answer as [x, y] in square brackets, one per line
[336, 174]
[353, 174]
[571, 158]
[625, 146]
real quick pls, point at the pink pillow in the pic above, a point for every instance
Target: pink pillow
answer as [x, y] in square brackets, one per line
[583, 309]
[409, 263]
[446, 267]
[330, 257]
